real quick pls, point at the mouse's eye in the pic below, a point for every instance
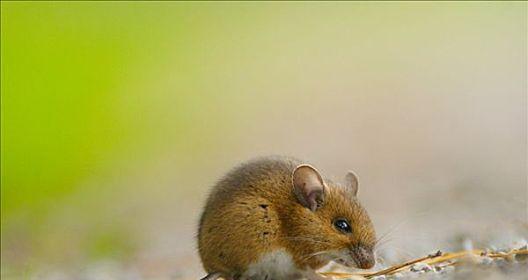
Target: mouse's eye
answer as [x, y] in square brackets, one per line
[342, 225]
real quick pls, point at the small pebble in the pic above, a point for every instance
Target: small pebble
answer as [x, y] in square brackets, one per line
[485, 260]
[421, 267]
[380, 277]
[521, 258]
[520, 244]
[500, 262]
[442, 269]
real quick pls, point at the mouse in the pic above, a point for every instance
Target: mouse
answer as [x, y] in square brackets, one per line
[280, 218]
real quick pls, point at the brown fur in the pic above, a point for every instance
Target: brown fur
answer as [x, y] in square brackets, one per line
[253, 210]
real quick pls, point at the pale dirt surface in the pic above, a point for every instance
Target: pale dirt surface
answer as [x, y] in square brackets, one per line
[417, 223]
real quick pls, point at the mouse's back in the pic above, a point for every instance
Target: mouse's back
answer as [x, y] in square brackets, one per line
[240, 218]
[259, 177]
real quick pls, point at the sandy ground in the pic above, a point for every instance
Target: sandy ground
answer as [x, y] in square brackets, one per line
[440, 220]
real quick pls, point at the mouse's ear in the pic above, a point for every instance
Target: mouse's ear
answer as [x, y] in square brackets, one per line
[351, 183]
[308, 186]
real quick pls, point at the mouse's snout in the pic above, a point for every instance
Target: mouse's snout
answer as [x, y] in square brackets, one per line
[364, 257]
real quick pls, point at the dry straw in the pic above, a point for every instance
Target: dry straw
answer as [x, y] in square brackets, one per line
[439, 259]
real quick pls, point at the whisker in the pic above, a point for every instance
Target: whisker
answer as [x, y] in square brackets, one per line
[381, 244]
[315, 254]
[390, 231]
[393, 228]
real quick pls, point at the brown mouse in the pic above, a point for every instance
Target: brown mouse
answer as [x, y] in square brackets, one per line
[278, 218]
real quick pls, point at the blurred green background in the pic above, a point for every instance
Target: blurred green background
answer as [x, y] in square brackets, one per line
[117, 117]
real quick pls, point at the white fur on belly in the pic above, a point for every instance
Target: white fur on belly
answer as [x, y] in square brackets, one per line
[275, 265]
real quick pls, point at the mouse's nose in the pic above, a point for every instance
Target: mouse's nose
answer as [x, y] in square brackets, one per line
[363, 257]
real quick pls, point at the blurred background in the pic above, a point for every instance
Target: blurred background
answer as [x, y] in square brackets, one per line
[118, 117]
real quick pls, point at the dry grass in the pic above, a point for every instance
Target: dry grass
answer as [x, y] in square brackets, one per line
[438, 259]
